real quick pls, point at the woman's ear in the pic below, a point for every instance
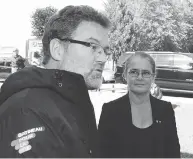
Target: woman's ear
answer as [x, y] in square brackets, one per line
[124, 73]
[153, 78]
[55, 49]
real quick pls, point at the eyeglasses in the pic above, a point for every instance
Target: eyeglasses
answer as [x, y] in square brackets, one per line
[144, 73]
[95, 47]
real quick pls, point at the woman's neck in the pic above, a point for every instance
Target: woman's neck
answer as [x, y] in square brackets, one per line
[139, 98]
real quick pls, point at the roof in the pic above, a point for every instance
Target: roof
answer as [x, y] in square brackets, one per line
[123, 58]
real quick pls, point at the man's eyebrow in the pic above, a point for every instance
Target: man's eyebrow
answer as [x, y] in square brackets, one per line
[91, 38]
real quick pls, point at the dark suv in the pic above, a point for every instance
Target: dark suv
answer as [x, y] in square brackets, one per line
[174, 70]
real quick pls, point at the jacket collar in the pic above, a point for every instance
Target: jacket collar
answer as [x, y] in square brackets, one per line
[69, 85]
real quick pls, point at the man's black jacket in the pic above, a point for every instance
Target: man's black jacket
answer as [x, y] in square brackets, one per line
[46, 113]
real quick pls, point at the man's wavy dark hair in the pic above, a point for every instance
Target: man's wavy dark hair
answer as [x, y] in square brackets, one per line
[64, 22]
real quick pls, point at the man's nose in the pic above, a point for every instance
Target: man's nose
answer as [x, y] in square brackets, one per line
[102, 57]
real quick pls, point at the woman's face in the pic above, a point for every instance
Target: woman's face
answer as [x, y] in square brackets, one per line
[139, 75]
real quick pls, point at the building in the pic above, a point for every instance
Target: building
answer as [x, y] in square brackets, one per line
[33, 47]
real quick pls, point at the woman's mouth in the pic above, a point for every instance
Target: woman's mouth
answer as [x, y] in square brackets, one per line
[139, 84]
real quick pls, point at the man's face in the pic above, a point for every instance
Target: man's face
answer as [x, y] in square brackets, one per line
[86, 60]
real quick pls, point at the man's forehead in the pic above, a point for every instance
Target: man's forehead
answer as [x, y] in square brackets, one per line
[92, 39]
[91, 31]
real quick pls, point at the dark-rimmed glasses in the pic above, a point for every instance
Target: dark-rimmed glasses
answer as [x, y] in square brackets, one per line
[95, 47]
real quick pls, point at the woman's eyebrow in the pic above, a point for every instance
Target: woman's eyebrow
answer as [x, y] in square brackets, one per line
[139, 69]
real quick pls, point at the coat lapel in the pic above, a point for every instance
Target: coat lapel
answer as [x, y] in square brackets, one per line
[158, 125]
[126, 109]
[155, 106]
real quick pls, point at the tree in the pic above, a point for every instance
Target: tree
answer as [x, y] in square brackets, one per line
[147, 25]
[39, 18]
[188, 18]
[166, 28]
[125, 33]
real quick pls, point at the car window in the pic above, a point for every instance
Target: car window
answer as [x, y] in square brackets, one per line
[164, 60]
[182, 61]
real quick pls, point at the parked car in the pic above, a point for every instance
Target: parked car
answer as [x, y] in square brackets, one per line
[174, 70]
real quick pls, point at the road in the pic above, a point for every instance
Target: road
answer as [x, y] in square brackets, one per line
[183, 113]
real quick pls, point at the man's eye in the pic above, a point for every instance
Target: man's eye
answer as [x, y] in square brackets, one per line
[94, 47]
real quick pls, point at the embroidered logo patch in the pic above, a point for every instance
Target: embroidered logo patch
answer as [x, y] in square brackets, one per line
[21, 143]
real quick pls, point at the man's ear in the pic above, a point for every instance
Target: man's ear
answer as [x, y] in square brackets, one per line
[55, 49]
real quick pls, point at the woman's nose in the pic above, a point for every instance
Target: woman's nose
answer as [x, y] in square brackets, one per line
[140, 76]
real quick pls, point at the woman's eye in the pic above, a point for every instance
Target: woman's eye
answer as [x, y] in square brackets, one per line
[133, 72]
[147, 73]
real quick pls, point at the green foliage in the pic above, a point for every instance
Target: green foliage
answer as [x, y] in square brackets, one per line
[39, 18]
[142, 25]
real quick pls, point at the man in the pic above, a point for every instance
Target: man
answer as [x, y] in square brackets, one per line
[47, 112]
[17, 61]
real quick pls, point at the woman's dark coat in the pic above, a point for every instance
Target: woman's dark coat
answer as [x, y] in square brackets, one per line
[115, 125]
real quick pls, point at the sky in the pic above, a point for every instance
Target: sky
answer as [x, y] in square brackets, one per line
[15, 25]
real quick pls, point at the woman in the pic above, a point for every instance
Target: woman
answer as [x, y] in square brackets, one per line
[138, 124]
